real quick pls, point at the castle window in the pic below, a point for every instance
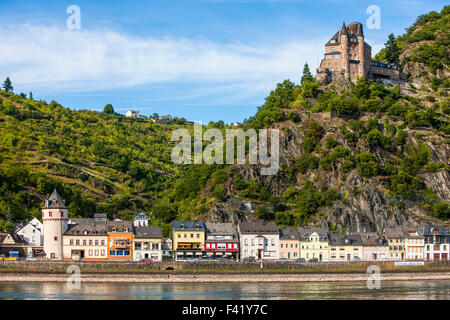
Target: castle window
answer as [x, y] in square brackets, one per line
[332, 49]
[50, 214]
[56, 238]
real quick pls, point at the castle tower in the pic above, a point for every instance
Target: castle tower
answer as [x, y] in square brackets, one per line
[345, 55]
[361, 52]
[55, 216]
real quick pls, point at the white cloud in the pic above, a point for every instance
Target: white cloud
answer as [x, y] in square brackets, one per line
[58, 59]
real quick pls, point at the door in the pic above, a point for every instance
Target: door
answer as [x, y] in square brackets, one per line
[259, 254]
[437, 256]
[289, 255]
[348, 257]
[444, 256]
[320, 257]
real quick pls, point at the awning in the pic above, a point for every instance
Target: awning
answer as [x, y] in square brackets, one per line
[209, 253]
[219, 253]
[228, 254]
[189, 253]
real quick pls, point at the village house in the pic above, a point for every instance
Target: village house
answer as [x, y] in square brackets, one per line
[166, 247]
[289, 244]
[120, 240]
[221, 241]
[32, 232]
[436, 240]
[313, 243]
[147, 243]
[259, 240]
[396, 238]
[375, 247]
[86, 239]
[188, 239]
[140, 219]
[12, 246]
[344, 248]
[414, 245]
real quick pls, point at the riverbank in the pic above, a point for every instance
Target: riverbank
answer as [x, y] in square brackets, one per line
[221, 278]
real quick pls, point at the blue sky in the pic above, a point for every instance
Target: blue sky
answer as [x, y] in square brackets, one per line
[199, 59]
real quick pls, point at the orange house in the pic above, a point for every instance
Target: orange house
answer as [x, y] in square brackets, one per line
[120, 240]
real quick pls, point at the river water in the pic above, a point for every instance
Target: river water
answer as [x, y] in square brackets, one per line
[435, 290]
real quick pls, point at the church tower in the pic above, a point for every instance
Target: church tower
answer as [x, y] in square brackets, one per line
[55, 216]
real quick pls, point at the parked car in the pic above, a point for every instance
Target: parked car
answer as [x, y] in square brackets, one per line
[249, 259]
[357, 259]
[300, 260]
[146, 260]
[282, 260]
[313, 260]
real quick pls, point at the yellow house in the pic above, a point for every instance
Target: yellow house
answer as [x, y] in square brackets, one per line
[345, 248]
[313, 243]
[188, 239]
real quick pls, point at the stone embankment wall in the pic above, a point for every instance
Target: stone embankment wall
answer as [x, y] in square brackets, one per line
[60, 266]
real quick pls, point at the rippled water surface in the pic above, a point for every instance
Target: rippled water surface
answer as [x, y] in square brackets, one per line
[303, 291]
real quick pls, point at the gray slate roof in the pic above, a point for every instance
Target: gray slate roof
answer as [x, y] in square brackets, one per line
[347, 240]
[188, 225]
[148, 232]
[259, 227]
[55, 201]
[289, 234]
[121, 226]
[220, 228]
[305, 232]
[86, 225]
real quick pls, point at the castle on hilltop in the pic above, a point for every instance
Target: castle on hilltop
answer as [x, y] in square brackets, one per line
[348, 56]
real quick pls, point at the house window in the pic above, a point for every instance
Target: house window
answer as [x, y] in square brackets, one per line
[78, 242]
[103, 252]
[90, 242]
[127, 253]
[90, 252]
[198, 235]
[112, 252]
[103, 242]
[281, 246]
[71, 242]
[50, 214]
[96, 242]
[96, 253]
[84, 242]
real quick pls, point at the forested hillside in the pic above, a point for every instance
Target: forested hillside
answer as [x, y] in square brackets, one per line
[353, 156]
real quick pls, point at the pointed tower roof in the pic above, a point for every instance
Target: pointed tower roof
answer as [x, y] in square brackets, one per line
[359, 30]
[343, 29]
[55, 201]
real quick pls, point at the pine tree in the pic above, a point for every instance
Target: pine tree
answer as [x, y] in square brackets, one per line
[31, 95]
[307, 76]
[392, 50]
[7, 85]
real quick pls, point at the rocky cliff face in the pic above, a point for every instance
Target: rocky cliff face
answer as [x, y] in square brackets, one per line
[365, 204]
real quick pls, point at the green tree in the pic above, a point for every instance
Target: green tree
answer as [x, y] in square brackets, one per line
[108, 109]
[7, 85]
[30, 95]
[307, 76]
[392, 50]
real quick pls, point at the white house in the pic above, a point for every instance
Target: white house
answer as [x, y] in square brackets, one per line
[140, 219]
[259, 240]
[32, 232]
[414, 245]
[147, 243]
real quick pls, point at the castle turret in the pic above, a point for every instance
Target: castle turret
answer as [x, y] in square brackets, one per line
[55, 216]
[362, 59]
[345, 54]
